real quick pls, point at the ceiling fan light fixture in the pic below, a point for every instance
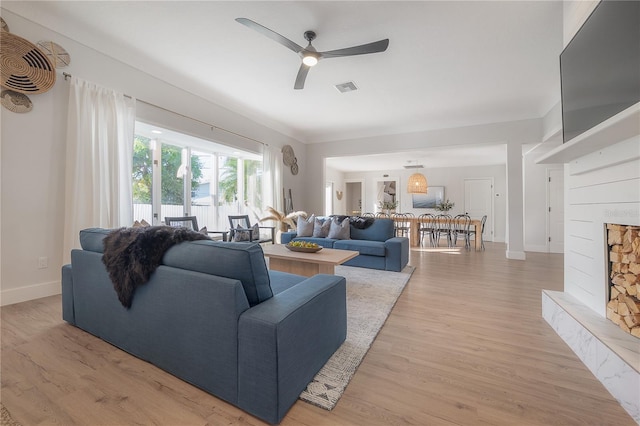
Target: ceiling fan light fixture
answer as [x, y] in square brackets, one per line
[310, 56]
[309, 60]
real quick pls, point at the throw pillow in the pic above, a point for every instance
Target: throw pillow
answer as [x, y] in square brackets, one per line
[321, 228]
[255, 232]
[305, 226]
[204, 231]
[142, 224]
[339, 230]
[242, 235]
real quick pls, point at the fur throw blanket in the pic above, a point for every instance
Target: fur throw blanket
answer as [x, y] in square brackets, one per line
[361, 222]
[132, 254]
[356, 221]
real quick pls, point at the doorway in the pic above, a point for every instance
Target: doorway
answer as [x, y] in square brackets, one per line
[478, 202]
[555, 210]
[353, 197]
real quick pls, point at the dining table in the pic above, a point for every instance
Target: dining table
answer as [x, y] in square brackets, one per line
[414, 238]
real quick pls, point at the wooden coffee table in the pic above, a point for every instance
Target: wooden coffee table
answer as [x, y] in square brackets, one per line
[306, 264]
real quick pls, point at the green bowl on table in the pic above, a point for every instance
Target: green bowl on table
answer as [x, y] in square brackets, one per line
[303, 247]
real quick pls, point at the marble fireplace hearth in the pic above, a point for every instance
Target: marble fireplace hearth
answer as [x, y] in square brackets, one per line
[611, 355]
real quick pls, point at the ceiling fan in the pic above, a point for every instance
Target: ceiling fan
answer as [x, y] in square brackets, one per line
[310, 56]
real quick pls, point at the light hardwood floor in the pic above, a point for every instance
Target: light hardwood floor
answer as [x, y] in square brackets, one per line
[464, 345]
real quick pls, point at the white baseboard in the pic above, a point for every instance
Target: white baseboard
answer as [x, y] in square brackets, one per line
[536, 248]
[31, 292]
[516, 255]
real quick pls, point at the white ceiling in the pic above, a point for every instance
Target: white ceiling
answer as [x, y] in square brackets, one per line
[449, 63]
[456, 156]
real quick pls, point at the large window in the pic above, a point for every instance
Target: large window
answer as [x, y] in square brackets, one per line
[179, 175]
[142, 178]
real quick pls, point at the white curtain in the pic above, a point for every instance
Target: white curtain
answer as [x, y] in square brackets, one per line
[272, 179]
[100, 132]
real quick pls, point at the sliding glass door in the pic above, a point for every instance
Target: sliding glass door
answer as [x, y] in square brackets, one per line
[203, 189]
[172, 183]
[143, 151]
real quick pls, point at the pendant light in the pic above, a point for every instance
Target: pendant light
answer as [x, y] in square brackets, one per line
[417, 184]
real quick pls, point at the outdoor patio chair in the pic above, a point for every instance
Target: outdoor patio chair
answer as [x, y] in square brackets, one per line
[191, 222]
[241, 230]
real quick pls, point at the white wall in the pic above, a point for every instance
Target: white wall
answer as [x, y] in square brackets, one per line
[602, 187]
[33, 151]
[574, 13]
[552, 123]
[536, 197]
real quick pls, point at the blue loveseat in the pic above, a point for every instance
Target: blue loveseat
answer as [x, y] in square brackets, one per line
[214, 316]
[378, 247]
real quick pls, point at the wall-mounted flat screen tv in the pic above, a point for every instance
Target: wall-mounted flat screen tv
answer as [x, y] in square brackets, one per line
[600, 67]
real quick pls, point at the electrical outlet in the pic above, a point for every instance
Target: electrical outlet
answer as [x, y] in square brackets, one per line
[43, 262]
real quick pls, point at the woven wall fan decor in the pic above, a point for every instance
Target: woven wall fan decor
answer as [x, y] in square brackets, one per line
[55, 52]
[15, 102]
[24, 68]
[289, 159]
[288, 156]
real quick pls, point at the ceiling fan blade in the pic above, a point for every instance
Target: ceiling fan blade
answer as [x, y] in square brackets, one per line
[302, 75]
[375, 47]
[271, 34]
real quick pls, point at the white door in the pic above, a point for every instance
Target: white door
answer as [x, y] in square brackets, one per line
[478, 201]
[555, 211]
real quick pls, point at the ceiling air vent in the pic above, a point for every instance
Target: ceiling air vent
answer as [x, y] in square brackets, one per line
[349, 86]
[414, 166]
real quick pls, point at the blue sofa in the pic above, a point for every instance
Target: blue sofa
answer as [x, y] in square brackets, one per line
[214, 316]
[378, 247]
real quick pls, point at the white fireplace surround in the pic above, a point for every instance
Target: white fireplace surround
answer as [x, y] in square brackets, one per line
[602, 185]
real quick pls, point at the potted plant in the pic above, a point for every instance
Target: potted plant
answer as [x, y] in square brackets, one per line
[387, 206]
[444, 206]
[283, 221]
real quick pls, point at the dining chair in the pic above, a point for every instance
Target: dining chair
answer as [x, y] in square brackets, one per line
[473, 233]
[368, 215]
[382, 215]
[426, 227]
[460, 228]
[401, 225]
[443, 227]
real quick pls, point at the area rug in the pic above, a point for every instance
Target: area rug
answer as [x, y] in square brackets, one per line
[371, 294]
[6, 419]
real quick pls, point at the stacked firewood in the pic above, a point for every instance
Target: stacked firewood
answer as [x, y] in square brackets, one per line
[624, 257]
